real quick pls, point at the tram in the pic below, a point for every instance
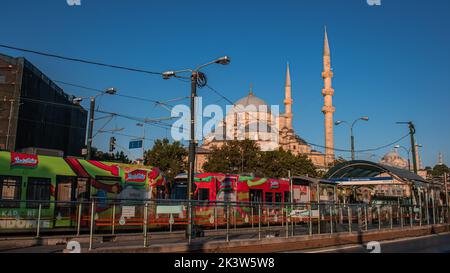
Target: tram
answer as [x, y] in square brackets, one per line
[58, 190]
[245, 196]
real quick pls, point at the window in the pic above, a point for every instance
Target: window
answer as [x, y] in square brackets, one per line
[278, 197]
[38, 190]
[179, 190]
[287, 197]
[10, 190]
[82, 190]
[269, 197]
[160, 192]
[256, 196]
[203, 194]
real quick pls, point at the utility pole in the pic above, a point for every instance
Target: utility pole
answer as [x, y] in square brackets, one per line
[11, 109]
[412, 131]
[446, 197]
[91, 128]
[197, 78]
[191, 159]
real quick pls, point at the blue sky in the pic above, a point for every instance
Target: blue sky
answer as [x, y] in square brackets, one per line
[391, 62]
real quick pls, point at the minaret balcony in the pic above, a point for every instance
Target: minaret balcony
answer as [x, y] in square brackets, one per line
[328, 109]
[288, 101]
[327, 74]
[328, 92]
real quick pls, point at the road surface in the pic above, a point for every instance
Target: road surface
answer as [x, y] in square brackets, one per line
[437, 243]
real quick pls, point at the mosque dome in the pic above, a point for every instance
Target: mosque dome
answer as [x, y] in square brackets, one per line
[251, 99]
[392, 158]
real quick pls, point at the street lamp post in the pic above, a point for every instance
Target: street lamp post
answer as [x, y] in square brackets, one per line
[352, 137]
[110, 91]
[408, 151]
[197, 79]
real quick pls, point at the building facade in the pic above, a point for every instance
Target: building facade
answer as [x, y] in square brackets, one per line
[35, 112]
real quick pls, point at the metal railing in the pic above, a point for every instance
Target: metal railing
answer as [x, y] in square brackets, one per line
[166, 220]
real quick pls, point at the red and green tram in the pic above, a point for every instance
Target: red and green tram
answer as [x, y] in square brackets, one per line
[244, 196]
[59, 185]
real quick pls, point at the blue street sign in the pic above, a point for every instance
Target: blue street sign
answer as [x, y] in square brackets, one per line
[135, 144]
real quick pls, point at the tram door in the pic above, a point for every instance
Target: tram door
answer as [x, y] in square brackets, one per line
[64, 195]
[69, 189]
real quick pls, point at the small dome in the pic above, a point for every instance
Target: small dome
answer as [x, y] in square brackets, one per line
[251, 100]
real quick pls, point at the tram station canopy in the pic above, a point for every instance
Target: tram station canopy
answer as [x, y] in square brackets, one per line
[367, 169]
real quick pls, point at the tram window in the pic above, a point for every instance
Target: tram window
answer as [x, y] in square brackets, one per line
[203, 194]
[287, 196]
[278, 197]
[10, 190]
[160, 193]
[269, 197]
[179, 191]
[82, 192]
[255, 196]
[38, 190]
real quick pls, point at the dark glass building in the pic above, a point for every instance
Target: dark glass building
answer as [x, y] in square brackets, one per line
[35, 112]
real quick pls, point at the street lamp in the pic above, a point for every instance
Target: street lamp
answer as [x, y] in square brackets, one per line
[352, 138]
[109, 91]
[197, 79]
[407, 152]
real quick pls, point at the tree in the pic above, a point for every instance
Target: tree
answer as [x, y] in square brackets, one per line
[233, 157]
[246, 157]
[277, 164]
[119, 157]
[439, 170]
[168, 157]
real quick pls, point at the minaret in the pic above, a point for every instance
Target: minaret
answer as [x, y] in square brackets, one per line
[328, 108]
[440, 159]
[288, 99]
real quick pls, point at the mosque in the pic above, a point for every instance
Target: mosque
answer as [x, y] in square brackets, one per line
[251, 118]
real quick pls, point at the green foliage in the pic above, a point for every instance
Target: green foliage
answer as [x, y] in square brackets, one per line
[278, 163]
[168, 157]
[439, 170]
[233, 157]
[246, 157]
[119, 157]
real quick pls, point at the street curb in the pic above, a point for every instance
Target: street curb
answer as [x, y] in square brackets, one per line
[282, 244]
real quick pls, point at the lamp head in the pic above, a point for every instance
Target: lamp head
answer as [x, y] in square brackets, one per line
[338, 122]
[111, 91]
[224, 60]
[77, 100]
[168, 74]
[365, 118]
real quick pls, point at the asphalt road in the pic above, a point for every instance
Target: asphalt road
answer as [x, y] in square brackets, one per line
[438, 243]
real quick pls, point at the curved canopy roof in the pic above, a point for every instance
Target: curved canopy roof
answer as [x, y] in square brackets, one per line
[364, 169]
